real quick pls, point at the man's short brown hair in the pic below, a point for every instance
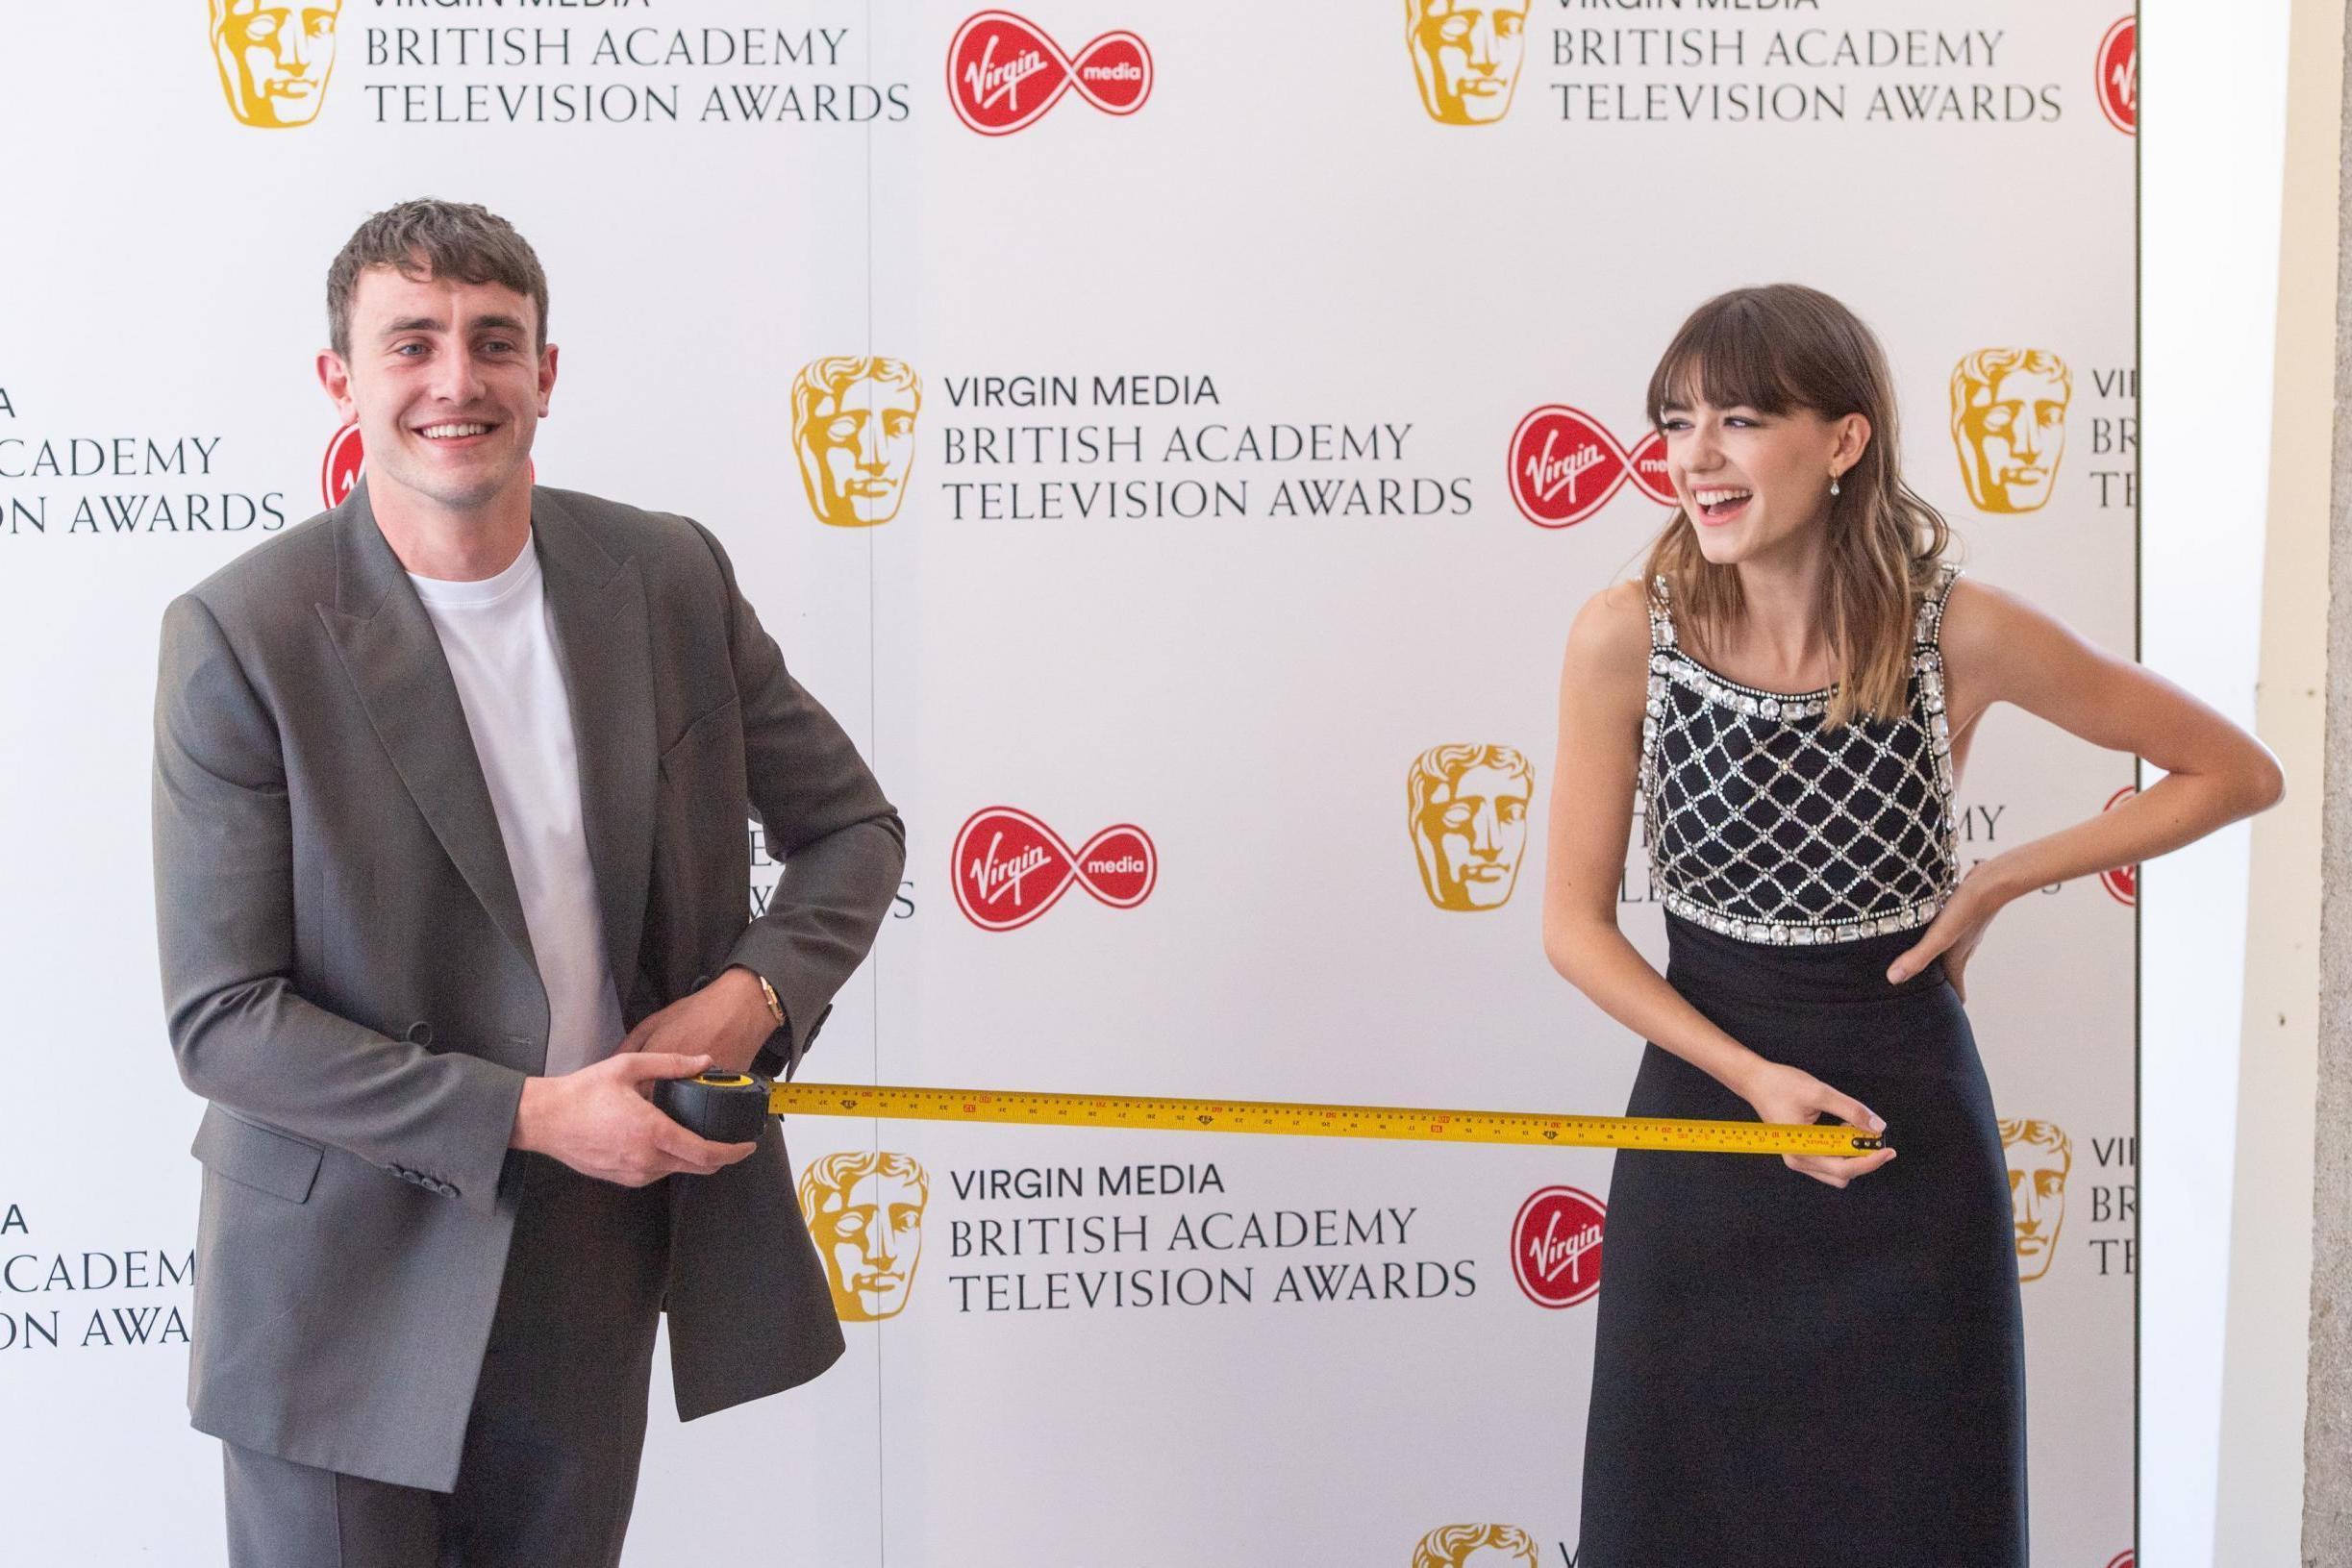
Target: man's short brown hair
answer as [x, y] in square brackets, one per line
[431, 239]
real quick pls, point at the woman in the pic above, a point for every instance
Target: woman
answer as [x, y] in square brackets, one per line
[1827, 1359]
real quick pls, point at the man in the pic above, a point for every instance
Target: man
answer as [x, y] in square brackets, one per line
[853, 427]
[450, 864]
[275, 58]
[1467, 809]
[865, 1209]
[2009, 422]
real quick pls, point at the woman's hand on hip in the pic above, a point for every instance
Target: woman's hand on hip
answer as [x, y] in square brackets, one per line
[1953, 934]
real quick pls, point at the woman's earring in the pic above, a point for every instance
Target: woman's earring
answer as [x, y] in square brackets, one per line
[1833, 484]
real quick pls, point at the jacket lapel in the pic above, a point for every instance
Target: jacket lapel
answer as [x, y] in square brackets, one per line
[394, 660]
[603, 644]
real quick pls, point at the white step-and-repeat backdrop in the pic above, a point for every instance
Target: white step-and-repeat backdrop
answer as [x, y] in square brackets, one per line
[1174, 438]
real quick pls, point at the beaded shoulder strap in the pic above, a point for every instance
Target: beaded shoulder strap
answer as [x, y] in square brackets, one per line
[1661, 615]
[1931, 607]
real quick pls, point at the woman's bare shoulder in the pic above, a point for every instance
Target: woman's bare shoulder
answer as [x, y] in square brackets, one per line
[1983, 621]
[1611, 635]
[1999, 646]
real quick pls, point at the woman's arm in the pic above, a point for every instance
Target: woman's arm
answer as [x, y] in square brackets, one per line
[1998, 648]
[1603, 682]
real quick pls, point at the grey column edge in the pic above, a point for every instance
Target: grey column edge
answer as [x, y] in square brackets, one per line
[2327, 1429]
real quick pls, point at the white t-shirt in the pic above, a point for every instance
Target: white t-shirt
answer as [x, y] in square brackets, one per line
[499, 637]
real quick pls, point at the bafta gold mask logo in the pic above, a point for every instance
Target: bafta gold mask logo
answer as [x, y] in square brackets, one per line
[2040, 1157]
[1476, 1546]
[275, 57]
[1467, 54]
[853, 425]
[2009, 421]
[864, 1208]
[1468, 815]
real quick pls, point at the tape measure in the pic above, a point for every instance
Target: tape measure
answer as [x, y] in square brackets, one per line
[731, 1107]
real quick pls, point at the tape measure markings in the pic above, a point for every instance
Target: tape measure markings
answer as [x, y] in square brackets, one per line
[1038, 1109]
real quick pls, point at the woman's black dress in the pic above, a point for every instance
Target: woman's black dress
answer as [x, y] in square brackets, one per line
[1785, 1372]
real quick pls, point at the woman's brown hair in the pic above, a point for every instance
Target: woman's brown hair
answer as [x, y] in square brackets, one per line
[1776, 349]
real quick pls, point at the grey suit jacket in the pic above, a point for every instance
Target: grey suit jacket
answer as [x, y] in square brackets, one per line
[347, 976]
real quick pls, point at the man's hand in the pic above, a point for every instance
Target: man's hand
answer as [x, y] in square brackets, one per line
[727, 1021]
[601, 1121]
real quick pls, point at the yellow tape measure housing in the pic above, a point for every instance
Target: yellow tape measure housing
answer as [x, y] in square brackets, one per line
[1490, 1127]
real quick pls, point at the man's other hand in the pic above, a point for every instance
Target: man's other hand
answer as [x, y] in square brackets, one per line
[727, 1021]
[601, 1121]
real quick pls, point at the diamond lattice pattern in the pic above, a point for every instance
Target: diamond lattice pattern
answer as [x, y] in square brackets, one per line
[1762, 815]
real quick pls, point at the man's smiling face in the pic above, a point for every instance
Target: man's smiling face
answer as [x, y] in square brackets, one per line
[448, 382]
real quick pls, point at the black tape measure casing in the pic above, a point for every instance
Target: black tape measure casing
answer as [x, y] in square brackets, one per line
[725, 1107]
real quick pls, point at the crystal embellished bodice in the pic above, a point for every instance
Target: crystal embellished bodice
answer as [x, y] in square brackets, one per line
[1768, 826]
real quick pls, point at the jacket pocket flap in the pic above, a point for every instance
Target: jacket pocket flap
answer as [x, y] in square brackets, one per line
[707, 726]
[271, 1162]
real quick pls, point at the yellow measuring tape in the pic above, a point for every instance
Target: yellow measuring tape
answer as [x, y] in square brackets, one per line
[1490, 1127]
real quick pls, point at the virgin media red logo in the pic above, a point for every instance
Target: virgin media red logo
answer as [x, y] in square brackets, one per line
[1010, 868]
[2123, 883]
[2120, 75]
[1564, 466]
[1556, 1246]
[1003, 72]
[2125, 1561]
[340, 470]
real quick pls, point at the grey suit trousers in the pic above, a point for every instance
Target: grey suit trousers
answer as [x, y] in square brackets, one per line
[550, 1464]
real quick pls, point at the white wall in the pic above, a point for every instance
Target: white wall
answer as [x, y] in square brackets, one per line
[2212, 126]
